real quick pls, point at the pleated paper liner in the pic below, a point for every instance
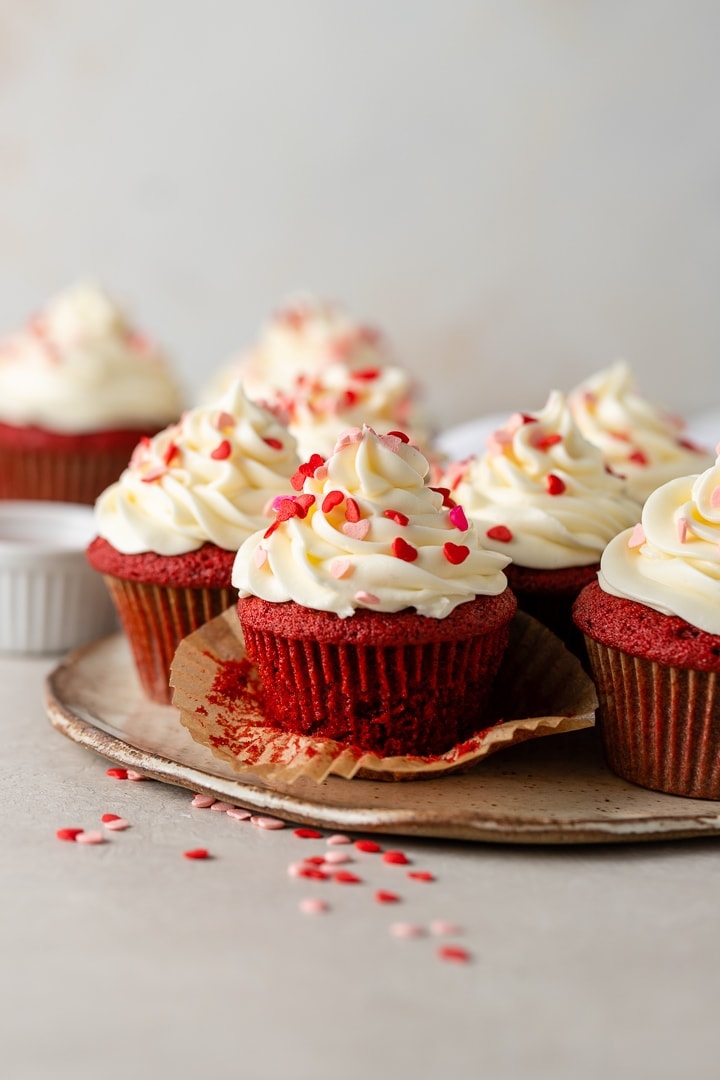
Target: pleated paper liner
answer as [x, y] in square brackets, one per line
[541, 690]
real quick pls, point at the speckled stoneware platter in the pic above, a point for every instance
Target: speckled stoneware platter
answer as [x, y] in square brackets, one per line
[553, 790]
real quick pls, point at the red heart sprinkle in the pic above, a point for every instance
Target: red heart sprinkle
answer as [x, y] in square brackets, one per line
[170, 451]
[367, 374]
[548, 440]
[314, 860]
[455, 553]
[345, 877]
[370, 846]
[421, 875]
[501, 533]
[454, 953]
[312, 873]
[638, 457]
[197, 853]
[554, 484]
[222, 451]
[396, 516]
[308, 834]
[273, 443]
[398, 857]
[303, 503]
[287, 509]
[332, 499]
[402, 550]
[110, 817]
[400, 435]
[352, 510]
[445, 492]
[67, 834]
[384, 897]
[116, 774]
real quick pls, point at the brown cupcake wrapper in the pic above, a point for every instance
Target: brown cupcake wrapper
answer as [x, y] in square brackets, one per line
[49, 475]
[660, 726]
[156, 618]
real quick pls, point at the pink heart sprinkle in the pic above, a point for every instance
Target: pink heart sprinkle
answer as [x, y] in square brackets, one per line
[682, 530]
[392, 442]
[225, 420]
[313, 906]
[457, 516]
[133, 775]
[338, 838]
[406, 930]
[715, 497]
[154, 474]
[321, 472]
[498, 441]
[117, 824]
[260, 557]
[440, 928]
[263, 822]
[238, 814]
[203, 802]
[91, 837]
[339, 568]
[364, 597]
[335, 858]
[356, 530]
[638, 536]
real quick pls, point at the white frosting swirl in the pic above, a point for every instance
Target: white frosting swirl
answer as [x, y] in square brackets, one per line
[209, 478]
[322, 373]
[79, 366]
[541, 493]
[369, 533]
[671, 561]
[641, 441]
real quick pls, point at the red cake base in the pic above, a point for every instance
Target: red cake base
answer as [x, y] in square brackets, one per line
[392, 684]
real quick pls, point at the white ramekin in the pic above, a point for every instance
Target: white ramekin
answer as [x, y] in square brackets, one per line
[51, 600]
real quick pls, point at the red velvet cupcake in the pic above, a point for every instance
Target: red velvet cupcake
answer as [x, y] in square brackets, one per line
[78, 388]
[542, 495]
[374, 616]
[652, 628]
[170, 526]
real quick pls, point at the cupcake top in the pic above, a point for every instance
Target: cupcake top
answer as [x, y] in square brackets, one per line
[208, 479]
[323, 372]
[365, 531]
[641, 441]
[671, 560]
[541, 493]
[80, 366]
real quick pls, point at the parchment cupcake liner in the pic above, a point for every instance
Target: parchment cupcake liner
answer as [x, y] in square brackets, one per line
[541, 690]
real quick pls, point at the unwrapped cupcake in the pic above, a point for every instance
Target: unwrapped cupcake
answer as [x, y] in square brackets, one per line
[373, 613]
[641, 441]
[169, 528]
[652, 627]
[78, 387]
[542, 495]
[323, 372]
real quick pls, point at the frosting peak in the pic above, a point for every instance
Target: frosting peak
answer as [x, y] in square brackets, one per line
[367, 532]
[542, 493]
[208, 478]
[641, 441]
[80, 366]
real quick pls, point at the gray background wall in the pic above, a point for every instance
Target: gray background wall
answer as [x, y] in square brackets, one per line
[517, 191]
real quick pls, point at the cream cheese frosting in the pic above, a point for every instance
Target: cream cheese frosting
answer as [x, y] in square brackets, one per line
[210, 478]
[671, 560]
[323, 372]
[366, 531]
[541, 493]
[640, 440]
[80, 366]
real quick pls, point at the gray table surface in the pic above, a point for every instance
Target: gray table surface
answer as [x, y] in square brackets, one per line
[128, 958]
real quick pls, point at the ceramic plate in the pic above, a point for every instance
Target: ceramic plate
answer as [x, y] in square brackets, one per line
[547, 791]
